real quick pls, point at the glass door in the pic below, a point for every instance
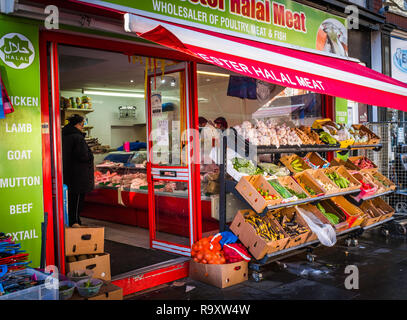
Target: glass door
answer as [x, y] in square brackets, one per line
[168, 169]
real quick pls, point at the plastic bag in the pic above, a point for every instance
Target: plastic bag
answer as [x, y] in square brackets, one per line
[325, 232]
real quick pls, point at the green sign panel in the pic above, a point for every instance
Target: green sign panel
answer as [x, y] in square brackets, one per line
[21, 193]
[341, 110]
[278, 20]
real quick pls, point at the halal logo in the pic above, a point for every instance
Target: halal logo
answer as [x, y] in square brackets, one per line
[16, 51]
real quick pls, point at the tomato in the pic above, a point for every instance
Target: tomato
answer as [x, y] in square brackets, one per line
[196, 260]
[204, 261]
[199, 256]
[208, 256]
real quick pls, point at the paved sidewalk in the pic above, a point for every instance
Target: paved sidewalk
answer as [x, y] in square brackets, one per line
[382, 265]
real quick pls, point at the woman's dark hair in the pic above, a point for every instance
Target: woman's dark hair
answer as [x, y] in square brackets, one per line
[202, 121]
[75, 119]
[222, 121]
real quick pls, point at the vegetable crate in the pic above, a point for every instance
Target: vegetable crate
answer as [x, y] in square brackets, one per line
[318, 214]
[347, 164]
[307, 183]
[293, 187]
[256, 244]
[294, 168]
[331, 207]
[368, 188]
[353, 214]
[372, 215]
[324, 183]
[342, 172]
[373, 138]
[248, 186]
[315, 161]
[386, 182]
[294, 216]
[362, 162]
[384, 209]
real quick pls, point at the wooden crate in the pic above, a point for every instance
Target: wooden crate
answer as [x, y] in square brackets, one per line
[294, 240]
[382, 205]
[289, 182]
[341, 170]
[373, 138]
[288, 159]
[320, 175]
[305, 179]
[352, 159]
[386, 182]
[371, 214]
[247, 187]
[347, 164]
[353, 214]
[256, 244]
[330, 207]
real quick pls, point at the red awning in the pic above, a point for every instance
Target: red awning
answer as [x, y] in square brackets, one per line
[284, 66]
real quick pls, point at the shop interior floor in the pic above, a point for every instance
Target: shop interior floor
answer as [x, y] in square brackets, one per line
[381, 261]
[131, 235]
[125, 258]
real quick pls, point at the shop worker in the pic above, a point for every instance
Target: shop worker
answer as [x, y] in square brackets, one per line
[78, 166]
[221, 123]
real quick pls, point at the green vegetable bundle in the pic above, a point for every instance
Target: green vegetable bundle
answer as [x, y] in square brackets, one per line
[280, 189]
[327, 138]
[339, 181]
[246, 166]
[332, 218]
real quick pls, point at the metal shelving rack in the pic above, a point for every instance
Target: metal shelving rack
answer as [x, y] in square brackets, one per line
[243, 148]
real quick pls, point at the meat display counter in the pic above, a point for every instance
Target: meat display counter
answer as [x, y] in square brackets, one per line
[130, 207]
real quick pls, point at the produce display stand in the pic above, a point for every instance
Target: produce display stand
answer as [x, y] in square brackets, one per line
[241, 147]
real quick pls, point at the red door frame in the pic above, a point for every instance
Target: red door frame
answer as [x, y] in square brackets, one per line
[54, 38]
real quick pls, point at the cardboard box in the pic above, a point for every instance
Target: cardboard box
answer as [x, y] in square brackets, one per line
[108, 291]
[315, 160]
[84, 240]
[257, 246]
[289, 182]
[100, 265]
[373, 138]
[371, 214]
[347, 164]
[330, 207]
[384, 207]
[288, 159]
[219, 275]
[320, 175]
[304, 179]
[353, 214]
[247, 187]
[318, 214]
[341, 170]
[378, 177]
[298, 239]
[353, 159]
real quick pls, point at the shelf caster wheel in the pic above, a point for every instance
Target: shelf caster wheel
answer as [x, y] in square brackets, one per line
[310, 257]
[385, 232]
[354, 242]
[257, 276]
[348, 242]
[401, 229]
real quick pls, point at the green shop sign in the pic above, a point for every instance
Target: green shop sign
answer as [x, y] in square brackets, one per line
[263, 20]
[21, 191]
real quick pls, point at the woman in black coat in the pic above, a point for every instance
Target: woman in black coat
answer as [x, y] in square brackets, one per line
[78, 166]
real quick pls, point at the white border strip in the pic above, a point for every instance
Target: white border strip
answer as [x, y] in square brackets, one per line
[187, 254]
[140, 24]
[172, 246]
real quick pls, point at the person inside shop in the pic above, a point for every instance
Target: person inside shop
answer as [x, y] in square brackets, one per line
[78, 167]
[221, 123]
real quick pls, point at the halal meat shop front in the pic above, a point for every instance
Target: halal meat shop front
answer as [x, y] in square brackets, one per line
[176, 76]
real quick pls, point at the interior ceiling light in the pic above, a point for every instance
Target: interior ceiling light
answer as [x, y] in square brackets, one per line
[131, 81]
[214, 74]
[173, 83]
[113, 93]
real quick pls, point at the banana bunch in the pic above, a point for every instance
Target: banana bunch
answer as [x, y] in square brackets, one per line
[297, 165]
[341, 182]
[264, 228]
